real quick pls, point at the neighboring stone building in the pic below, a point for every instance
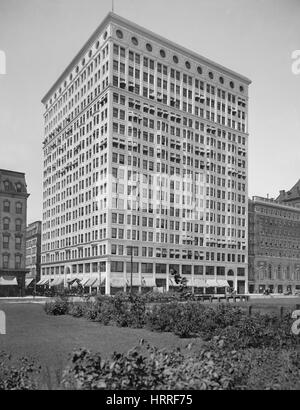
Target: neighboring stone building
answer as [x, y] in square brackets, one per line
[291, 197]
[274, 246]
[145, 150]
[33, 252]
[13, 213]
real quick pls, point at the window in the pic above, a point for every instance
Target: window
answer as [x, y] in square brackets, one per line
[6, 261]
[6, 224]
[134, 41]
[19, 187]
[18, 259]
[5, 241]
[149, 47]
[6, 185]
[175, 59]
[188, 65]
[18, 243]
[211, 75]
[119, 34]
[6, 206]
[117, 266]
[18, 207]
[231, 84]
[18, 225]
[163, 53]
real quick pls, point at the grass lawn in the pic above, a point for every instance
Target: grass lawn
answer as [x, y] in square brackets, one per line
[50, 339]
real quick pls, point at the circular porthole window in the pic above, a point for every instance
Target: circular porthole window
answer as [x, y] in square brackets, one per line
[77, 69]
[241, 89]
[105, 35]
[71, 77]
[231, 84]
[188, 65]
[90, 53]
[199, 69]
[135, 41]
[65, 84]
[83, 62]
[221, 79]
[119, 34]
[149, 47]
[211, 75]
[97, 44]
[163, 53]
[175, 59]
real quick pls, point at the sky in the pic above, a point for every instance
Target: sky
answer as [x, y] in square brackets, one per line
[255, 38]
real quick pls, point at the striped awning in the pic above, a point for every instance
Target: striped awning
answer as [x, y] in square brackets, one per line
[8, 281]
[28, 282]
[57, 281]
[43, 281]
[199, 283]
[117, 282]
[212, 283]
[90, 282]
[222, 283]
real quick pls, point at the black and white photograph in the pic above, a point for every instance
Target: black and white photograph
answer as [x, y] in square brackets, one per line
[149, 198]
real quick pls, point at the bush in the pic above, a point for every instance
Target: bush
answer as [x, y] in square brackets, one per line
[57, 307]
[76, 309]
[18, 375]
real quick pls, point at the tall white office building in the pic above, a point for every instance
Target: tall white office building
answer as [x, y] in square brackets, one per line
[145, 152]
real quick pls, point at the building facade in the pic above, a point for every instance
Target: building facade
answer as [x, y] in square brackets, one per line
[291, 197]
[13, 214]
[274, 246]
[33, 252]
[145, 152]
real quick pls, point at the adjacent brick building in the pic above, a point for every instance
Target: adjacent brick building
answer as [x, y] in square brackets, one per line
[13, 214]
[274, 245]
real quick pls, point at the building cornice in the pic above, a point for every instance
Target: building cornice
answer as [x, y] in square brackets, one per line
[114, 18]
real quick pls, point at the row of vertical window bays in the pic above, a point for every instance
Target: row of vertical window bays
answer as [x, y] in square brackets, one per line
[224, 223]
[282, 242]
[198, 111]
[137, 119]
[57, 254]
[97, 116]
[185, 153]
[7, 241]
[158, 187]
[207, 108]
[188, 130]
[173, 84]
[188, 181]
[9, 261]
[80, 87]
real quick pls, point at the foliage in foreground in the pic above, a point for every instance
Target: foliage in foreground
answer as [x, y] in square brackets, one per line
[212, 368]
[21, 374]
[185, 319]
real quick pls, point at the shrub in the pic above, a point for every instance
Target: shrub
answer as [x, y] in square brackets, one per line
[76, 309]
[57, 307]
[21, 374]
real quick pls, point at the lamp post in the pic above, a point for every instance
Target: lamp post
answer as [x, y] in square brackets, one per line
[99, 272]
[131, 268]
